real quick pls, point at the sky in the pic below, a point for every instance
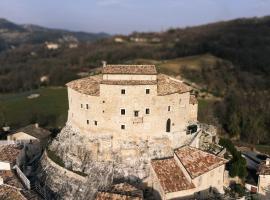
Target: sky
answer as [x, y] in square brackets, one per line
[126, 16]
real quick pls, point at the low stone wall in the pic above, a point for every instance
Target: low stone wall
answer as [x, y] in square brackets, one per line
[67, 185]
[63, 170]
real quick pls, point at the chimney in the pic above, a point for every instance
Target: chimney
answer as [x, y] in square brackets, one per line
[36, 125]
[104, 63]
[267, 162]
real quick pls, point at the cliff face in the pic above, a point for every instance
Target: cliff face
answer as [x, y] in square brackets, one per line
[103, 158]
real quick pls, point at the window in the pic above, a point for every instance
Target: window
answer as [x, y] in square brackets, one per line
[123, 127]
[81, 106]
[147, 111]
[123, 91]
[123, 111]
[168, 125]
[147, 91]
[95, 123]
[87, 106]
[136, 113]
[87, 121]
[103, 101]
[169, 108]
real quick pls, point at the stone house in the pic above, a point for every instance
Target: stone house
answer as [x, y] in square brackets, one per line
[190, 173]
[264, 179]
[34, 137]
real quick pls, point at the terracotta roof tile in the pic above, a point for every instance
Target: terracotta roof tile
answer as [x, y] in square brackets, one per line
[167, 85]
[9, 153]
[113, 196]
[37, 132]
[10, 178]
[129, 82]
[198, 162]
[10, 193]
[89, 85]
[129, 69]
[170, 176]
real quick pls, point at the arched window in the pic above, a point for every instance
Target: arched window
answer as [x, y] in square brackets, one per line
[168, 125]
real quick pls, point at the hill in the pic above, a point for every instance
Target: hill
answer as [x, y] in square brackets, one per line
[229, 60]
[12, 34]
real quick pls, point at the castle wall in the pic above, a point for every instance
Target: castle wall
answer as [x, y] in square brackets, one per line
[102, 114]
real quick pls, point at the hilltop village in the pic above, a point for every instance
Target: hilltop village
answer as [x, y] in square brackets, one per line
[131, 133]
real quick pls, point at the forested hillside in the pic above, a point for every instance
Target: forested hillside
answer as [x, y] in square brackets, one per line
[240, 77]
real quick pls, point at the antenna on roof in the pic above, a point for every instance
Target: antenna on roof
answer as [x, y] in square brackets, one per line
[104, 63]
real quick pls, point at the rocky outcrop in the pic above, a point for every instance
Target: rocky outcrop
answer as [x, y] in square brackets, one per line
[103, 158]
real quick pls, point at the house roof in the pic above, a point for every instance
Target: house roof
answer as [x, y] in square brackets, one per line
[168, 85]
[264, 169]
[198, 162]
[193, 100]
[35, 131]
[129, 82]
[165, 84]
[9, 153]
[89, 85]
[10, 178]
[10, 193]
[129, 69]
[170, 176]
[113, 196]
[121, 191]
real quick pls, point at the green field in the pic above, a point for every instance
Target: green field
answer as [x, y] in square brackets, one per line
[49, 109]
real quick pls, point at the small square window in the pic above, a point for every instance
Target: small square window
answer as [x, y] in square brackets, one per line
[95, 123]
[123, 111]
[103, 101]
[147, 111]
[87, 121]
[136, 113]
[87, 107]
[147, 91]
[123, 127]
[123, 91]
[169, 108]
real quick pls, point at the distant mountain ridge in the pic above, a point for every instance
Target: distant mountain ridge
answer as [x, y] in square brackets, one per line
[12, 34]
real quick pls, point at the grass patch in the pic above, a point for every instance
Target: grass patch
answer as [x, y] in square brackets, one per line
[263, 148]
[49, 109]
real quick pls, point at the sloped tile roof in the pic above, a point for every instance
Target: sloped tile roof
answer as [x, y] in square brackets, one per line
[10, 193]
[198, 162]
[129, 82]
[89, 85]
[9, 153]
[33, 130]
[167, 85]
[170, 176]
[113, 196]
[129, 69]
[10, 178]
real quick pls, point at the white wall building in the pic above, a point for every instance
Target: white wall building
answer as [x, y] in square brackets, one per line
[191, 173]
[264, 179]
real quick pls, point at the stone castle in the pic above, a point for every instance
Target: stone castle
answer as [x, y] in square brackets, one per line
[121, 119]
